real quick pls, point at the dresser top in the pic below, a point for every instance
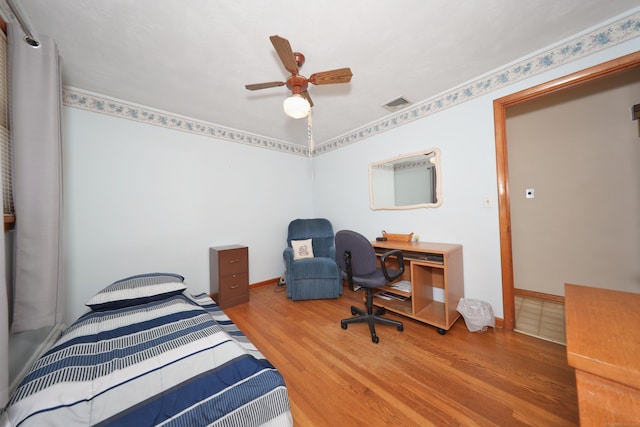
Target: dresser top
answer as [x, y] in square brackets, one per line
[603, 332]
[227, 247]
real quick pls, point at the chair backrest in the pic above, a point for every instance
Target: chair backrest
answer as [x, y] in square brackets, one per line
[363, 256]
[319, 230]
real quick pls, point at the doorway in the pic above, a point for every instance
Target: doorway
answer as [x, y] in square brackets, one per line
[500, 105]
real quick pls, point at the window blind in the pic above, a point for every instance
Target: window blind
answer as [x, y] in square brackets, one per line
[5, 145]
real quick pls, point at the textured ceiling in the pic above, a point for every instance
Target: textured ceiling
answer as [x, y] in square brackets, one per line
[193, 57]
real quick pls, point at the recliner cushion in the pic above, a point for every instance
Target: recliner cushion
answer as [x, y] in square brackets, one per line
[315, 268]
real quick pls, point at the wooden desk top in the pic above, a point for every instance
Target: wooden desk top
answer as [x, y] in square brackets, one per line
[603, 332]
[436, 248]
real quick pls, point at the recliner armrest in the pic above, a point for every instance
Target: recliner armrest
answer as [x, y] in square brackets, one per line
[396, 253]
[332, 252]
[287, 254]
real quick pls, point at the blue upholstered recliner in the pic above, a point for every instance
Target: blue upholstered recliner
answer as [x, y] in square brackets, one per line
[315, 274]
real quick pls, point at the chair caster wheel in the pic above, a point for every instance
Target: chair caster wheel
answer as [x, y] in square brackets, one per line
[441, 331]
[343, 325]
[375, 339]
[400, 328]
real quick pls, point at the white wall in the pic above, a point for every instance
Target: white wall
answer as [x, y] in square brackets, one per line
[141, 198]
[468, 174]
[465, 135]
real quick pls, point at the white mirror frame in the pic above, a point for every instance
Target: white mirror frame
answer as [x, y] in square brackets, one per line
[399, 159]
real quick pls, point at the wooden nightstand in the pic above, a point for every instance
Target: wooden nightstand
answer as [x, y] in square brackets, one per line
[229, 274]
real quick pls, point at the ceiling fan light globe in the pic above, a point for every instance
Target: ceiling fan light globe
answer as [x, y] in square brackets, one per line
[296, 106]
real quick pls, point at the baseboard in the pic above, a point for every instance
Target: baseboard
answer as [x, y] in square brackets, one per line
[262, 284]
[539, 295]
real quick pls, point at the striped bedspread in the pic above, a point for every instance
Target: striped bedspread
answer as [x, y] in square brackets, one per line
[175, 362]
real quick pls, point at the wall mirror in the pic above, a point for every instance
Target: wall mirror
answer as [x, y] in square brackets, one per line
[408, 181]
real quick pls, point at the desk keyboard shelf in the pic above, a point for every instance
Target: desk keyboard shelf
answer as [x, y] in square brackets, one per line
[428, 266]
[400, 307]
[395, 291]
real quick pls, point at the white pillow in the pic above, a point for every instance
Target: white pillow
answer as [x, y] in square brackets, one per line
[302, 249]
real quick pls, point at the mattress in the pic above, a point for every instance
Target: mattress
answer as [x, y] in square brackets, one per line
[173, 361]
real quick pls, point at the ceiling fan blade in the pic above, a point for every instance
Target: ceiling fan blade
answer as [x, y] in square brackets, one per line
[284, 51]
[257, 86]
[340, 75]
[305, 94]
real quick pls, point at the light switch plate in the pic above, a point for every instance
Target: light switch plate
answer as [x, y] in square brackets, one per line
[530, 193]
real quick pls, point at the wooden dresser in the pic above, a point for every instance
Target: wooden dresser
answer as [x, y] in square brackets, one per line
[229, 274]
[603, 345]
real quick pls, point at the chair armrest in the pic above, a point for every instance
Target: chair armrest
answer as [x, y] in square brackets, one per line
[332, 253]
[347, 263]
[287, 254]
[397, 254]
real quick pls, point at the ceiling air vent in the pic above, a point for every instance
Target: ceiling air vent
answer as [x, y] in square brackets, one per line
[396, 104]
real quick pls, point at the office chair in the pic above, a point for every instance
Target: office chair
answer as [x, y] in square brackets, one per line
[358, 261]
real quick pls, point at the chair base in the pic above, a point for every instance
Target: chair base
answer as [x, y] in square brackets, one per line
[371, 317]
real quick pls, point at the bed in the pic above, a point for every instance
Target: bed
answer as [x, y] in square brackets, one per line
[148, 352]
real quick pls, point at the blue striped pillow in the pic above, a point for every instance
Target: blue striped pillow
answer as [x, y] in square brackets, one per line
[137, 290]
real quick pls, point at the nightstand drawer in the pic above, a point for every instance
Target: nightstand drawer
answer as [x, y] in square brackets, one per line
[233, 261]
[234, 286]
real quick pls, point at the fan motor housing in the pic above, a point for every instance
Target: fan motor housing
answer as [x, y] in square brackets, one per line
[297, 83]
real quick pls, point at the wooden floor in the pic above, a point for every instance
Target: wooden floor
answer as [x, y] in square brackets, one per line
[339, 377]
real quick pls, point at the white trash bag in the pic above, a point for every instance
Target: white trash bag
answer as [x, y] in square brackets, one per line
[477, 314]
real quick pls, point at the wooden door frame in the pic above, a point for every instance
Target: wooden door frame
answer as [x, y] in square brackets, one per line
[499, 110]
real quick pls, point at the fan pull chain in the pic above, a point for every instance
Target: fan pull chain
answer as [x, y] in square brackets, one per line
[310, 133]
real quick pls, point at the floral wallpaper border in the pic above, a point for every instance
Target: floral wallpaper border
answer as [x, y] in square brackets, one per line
[604, 37]
[73, 97]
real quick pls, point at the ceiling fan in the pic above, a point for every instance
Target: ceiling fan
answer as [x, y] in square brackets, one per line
[299, 104]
